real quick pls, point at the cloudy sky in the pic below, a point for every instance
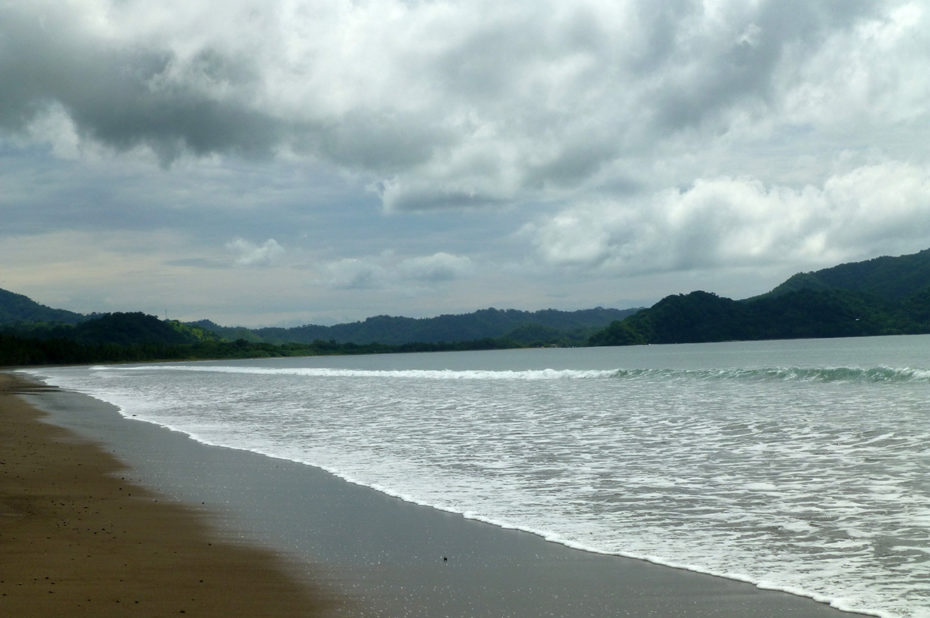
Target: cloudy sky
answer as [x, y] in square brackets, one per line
[315, 161]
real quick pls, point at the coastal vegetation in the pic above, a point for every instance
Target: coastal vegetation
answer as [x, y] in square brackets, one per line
[884, 296]
[135, 337]
[546, 327]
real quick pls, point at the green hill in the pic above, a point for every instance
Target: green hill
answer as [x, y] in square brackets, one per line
[133, 329]
[884, 296]
[890, 278]
[116, 329]
[108, 337]
[19, 309]
[549, 325]
[31, 333]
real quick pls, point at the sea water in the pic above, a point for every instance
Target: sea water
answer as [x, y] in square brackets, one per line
[802, 466]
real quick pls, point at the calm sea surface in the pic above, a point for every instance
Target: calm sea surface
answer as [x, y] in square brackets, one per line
[797, 465]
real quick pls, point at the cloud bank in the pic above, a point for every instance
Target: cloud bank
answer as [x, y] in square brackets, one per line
[250, 254]
[730, 221]
[387, 270]
[606, 138]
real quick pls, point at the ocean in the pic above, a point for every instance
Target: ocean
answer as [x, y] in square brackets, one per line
[801, 466]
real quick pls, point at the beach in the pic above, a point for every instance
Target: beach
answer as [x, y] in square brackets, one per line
[99, 512]
[77, 539]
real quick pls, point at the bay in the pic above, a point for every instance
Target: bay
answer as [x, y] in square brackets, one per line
[796, 465]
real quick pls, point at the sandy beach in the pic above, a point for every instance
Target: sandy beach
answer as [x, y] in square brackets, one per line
[221, 531]
[78, 540]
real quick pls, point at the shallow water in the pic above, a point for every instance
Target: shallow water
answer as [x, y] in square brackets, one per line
[797, 465]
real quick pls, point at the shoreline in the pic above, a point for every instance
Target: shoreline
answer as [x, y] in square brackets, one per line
[387, 554]
[78, 539]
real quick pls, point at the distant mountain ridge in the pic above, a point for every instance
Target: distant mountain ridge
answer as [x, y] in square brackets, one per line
[883, 296]
[522, 326]
[21, 315]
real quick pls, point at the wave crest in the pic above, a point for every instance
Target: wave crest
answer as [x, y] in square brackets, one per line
[873, 375]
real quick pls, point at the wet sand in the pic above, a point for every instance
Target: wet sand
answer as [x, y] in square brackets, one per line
[379, 555]
[76, 539]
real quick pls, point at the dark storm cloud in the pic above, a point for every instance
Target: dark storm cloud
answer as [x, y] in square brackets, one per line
[118, 95]
[540, 98]
[711, 74]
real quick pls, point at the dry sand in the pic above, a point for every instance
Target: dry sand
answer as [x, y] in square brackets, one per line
[77, 540]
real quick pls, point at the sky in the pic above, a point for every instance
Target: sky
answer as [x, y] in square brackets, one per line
[284, 162]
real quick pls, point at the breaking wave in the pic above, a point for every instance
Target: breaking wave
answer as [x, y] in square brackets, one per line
[857, 375]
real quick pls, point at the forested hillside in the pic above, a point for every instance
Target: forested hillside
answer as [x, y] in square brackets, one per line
[884, 296]
[19, 309]
[34, 334]
[888, 278]
[547, 326]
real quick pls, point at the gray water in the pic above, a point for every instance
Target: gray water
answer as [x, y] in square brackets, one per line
[797, 465]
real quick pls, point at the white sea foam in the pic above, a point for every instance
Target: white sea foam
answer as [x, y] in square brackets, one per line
[809, 479]
[797, 374]
[408, 374]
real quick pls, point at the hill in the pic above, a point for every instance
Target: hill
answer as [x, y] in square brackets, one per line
[884, 296]
[108, 337]
[22, 316]
[31, 333]
[890, 278]
[114, 329]
[548, 326]
[19, 309]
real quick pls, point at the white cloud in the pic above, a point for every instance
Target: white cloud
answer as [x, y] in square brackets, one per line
[354, 273]
[440, 266]
[738, 221]
[247, 253]
[861, 77]
[883, 205]
[388, 271]
[55, 127]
